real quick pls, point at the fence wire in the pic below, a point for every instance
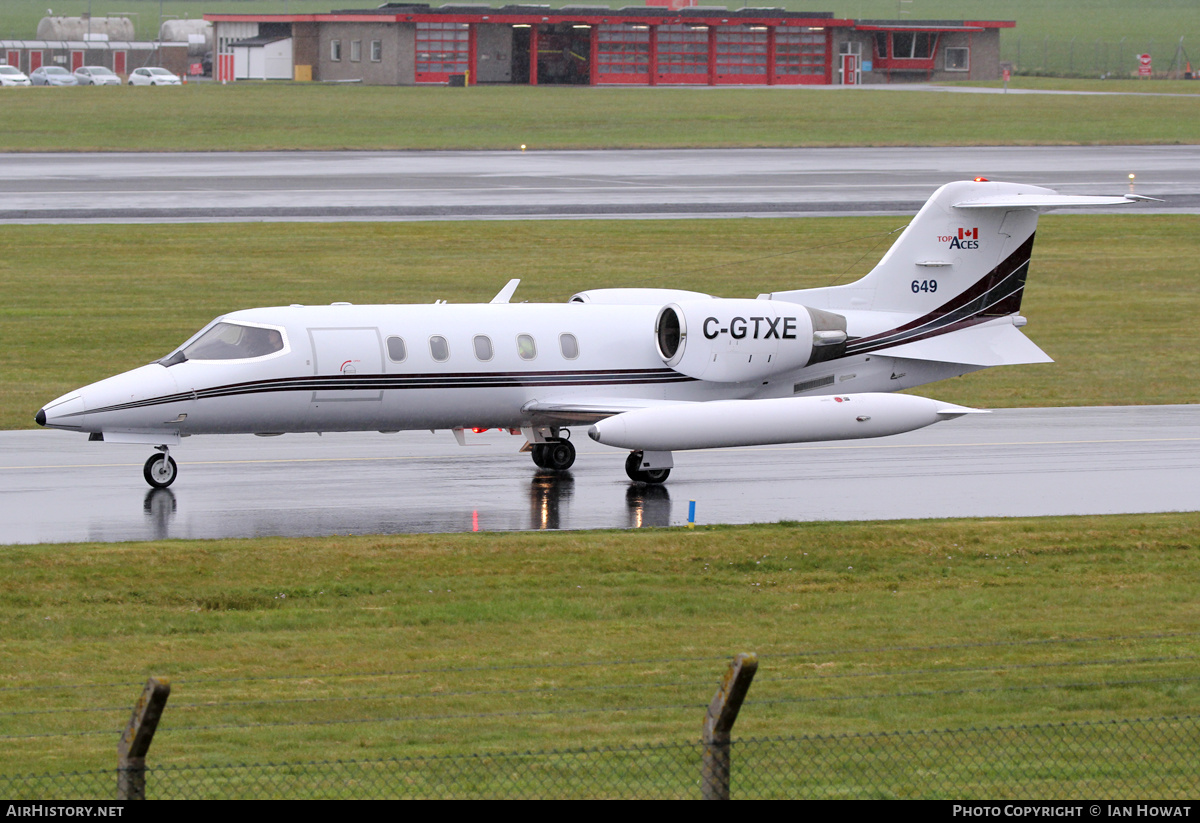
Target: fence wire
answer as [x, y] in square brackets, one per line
[1093, 58]
[1149, 758]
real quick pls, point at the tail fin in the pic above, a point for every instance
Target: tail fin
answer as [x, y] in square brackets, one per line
[963, 259]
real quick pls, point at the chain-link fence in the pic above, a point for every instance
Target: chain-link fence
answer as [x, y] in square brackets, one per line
[1094, 58]
[1092, 761]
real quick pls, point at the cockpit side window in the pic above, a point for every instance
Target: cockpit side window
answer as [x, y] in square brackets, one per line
[233, 341]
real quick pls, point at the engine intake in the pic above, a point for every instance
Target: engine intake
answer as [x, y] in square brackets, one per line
[736, 341]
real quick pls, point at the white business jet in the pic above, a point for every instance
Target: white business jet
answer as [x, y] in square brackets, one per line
[653, 371]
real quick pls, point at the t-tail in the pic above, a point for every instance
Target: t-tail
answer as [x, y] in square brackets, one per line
[961, 262]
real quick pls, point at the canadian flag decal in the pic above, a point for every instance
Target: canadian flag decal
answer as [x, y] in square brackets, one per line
[968, 234]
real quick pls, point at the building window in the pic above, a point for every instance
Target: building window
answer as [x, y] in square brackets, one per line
[355, 51]
[483, 347]
[439, 348]
[881, 41]
[526, 348]
[397, 351]
[376, 51]
[958, 59]
[335, 50]
[912, 45]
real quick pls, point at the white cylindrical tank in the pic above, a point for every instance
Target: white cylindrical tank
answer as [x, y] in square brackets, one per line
[78, 28]
[198, 34]
[723, 423]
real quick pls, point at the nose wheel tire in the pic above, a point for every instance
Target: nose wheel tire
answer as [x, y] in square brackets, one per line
[160, 471]
[633, 468]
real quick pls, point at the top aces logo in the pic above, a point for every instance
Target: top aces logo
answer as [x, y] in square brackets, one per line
[967, 239]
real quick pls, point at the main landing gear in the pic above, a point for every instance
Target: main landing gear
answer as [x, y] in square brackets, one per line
[556, 455]
[160, 470]
[633, 468]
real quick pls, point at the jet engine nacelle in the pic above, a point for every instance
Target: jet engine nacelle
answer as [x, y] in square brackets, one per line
[735, 341]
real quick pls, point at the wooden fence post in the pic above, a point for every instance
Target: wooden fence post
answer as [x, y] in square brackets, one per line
[135, 741]
[718, 726]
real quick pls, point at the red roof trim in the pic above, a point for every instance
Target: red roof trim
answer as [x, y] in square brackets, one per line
[484, 16]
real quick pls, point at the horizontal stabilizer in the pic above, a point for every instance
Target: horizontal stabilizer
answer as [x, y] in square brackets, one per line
[1001, 344]
[1051, 201]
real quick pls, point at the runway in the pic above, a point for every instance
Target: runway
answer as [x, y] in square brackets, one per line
[329, 186]
[1018, 462]
[56, 487]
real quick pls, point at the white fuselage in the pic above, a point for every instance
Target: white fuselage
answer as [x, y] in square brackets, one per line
[339, 371]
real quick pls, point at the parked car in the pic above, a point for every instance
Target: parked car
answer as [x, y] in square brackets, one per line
[96, 76]
[12, 76]
[52, 76]
[153, 76]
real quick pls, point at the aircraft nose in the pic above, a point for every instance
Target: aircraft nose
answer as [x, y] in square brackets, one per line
[67, 412]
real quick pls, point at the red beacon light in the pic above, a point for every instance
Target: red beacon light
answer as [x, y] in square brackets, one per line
[981, 180]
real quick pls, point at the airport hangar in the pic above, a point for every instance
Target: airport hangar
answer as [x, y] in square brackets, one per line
[405, 44]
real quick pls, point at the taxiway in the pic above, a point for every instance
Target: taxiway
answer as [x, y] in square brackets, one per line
[57, 487]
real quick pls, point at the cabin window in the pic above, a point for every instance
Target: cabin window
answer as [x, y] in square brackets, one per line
[397, 351]
[234, 341]
[483, 347]
[526, 347]
[439, 348]
[569, 346]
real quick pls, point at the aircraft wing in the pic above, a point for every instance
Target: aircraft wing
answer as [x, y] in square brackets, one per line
[573, 410]
[985, 345]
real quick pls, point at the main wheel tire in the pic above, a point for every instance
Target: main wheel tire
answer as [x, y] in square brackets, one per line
[160, 471]
[633, 466]
[635, 472]
[655, 476]
[559, 455]
[538, 453]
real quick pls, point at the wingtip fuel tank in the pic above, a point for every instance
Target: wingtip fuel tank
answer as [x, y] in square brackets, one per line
[727, 423]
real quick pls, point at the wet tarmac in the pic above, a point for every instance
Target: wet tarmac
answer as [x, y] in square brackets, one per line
[327, 186]
[56, 487]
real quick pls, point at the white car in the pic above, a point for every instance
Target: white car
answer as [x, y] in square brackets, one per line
[12, 76]
[96, 76]
[152, 76]
[52, 76]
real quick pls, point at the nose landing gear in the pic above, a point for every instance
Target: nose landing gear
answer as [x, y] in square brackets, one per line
[160, 470]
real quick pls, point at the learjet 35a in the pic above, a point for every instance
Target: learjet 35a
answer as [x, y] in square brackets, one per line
[653, 371]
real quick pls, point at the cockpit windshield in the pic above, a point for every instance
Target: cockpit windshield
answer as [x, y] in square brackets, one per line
[233, 341]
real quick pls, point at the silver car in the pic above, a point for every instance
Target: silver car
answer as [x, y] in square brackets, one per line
[96, 76]
[12, 76]
[52, 76]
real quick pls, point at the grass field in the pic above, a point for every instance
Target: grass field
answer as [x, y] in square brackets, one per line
[281, 649]
[257, 116]
[83, 302]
